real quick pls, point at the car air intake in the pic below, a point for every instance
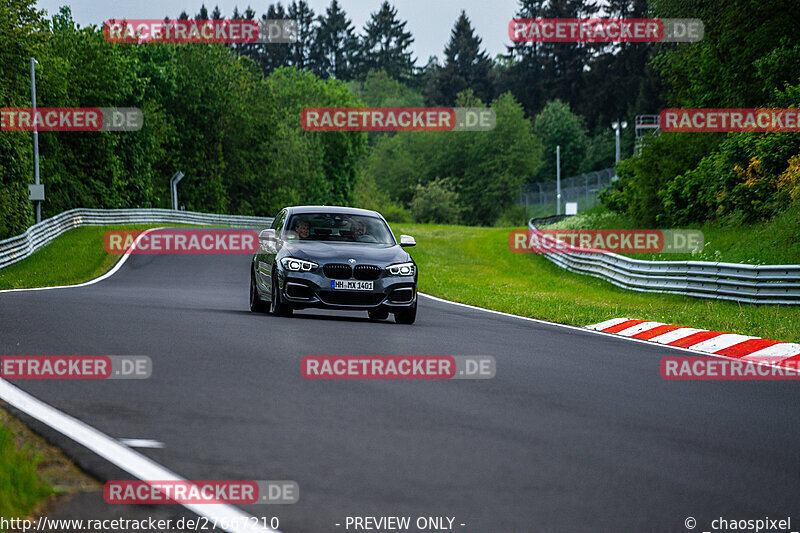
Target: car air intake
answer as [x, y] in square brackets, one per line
[296, 290]
[401, 296]
[366, 272]
[337, 271]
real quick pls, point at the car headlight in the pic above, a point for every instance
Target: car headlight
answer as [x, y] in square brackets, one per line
[401, 269]
[298, 265]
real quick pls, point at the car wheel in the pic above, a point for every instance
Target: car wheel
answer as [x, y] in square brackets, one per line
[378, 314]
[277, 307]
[406, 316]
[257, 305]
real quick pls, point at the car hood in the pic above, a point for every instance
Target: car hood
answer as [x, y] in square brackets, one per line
[340, 252]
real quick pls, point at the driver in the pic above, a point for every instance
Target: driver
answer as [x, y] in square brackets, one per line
[359, 230]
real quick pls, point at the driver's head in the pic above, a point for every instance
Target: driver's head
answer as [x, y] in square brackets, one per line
[359, 228]
[302, 228]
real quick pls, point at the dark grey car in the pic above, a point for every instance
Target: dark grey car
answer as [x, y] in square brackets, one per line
[333, 258]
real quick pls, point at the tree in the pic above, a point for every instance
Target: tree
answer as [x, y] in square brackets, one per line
[722, 70]
[620, 82]
[251, 50]
[466, 66]
[386, 45]
[22, 36]
[523, 73]
[557, 125]
[300, 52]
[335, 45]
[485, 168]
[379, 90]
[564, 64]
[274, 55]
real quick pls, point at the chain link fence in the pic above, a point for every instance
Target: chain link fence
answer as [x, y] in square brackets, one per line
[539, 199]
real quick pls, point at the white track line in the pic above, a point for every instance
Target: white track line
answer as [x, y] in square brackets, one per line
[108, 274]
[679, 334]
[122, 456]
[142, 443]
[564, 326]
[111, 449]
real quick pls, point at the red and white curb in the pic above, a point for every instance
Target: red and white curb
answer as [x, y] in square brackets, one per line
[743, 347]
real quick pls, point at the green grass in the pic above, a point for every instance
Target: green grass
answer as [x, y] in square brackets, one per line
[475, 266]
[74, 257]
[776, 242]
[21, 488]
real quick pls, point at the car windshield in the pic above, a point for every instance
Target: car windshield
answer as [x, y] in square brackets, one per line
[338, 227]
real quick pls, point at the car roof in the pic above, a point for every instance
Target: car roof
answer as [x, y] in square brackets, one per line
[304, 209]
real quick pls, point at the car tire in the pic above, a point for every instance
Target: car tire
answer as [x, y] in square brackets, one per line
[378, 314]
[406, 316]
[257, 305]
[278, 307]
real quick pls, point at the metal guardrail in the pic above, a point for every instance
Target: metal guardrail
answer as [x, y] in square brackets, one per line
[759, 284]
[17, 248]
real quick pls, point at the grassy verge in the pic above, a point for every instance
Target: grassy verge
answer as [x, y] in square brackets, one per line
[74, 257]
[474, 266]
[21, 488]
[33, 473]
[776, 242]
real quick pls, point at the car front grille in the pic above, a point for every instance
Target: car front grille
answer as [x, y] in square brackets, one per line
[337, 271]
[351, 298]
[367, 272]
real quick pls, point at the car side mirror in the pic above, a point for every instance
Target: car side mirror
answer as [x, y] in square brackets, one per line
[407, 240]
[267, 240]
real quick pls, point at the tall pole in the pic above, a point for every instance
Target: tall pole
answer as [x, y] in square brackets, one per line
[558, 179]
[35, 139]
[173, 186]
[617, 129]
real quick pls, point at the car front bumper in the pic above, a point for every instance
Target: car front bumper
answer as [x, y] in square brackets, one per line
[313, 289]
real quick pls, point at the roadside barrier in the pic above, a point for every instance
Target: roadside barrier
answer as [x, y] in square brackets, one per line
[18, 248]
[759, 284]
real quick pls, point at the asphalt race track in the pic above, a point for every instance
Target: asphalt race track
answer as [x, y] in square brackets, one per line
[577, 432]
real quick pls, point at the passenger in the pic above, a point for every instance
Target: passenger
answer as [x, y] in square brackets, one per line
[303, 229]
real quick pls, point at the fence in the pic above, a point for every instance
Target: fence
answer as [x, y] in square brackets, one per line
[17, 248]
[539, 199]
[761, 284]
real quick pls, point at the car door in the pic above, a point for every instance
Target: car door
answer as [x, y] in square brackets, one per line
[266, 255]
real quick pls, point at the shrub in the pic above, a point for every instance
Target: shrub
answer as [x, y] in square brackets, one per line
[514, 216]
[661, 159]
[436, 202]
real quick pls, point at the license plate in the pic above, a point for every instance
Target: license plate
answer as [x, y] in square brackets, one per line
[351, 285]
